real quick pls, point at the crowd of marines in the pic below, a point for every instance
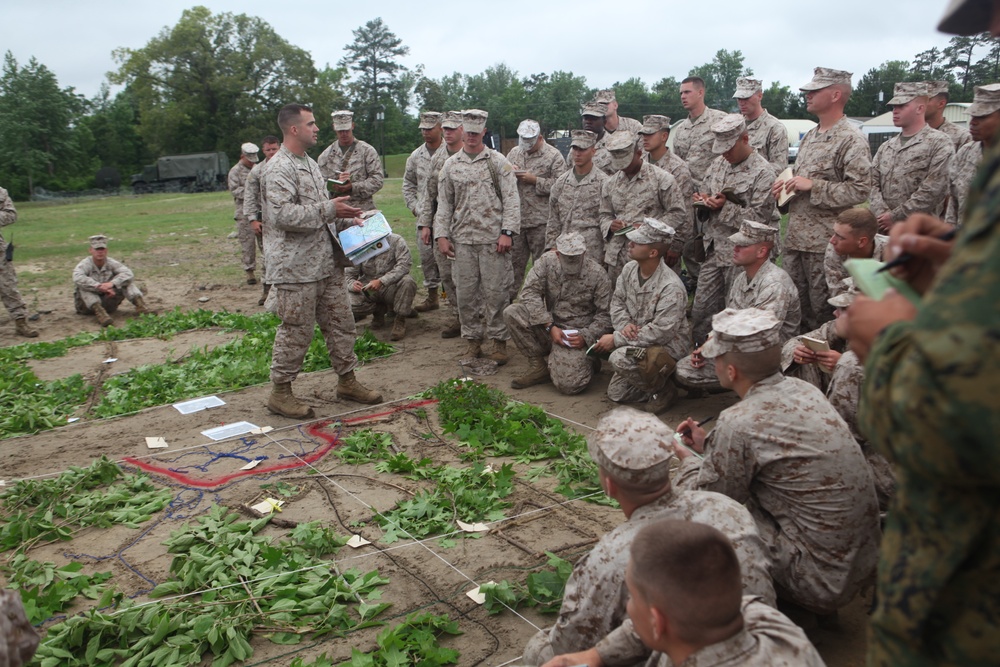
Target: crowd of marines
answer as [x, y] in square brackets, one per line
[782, 503]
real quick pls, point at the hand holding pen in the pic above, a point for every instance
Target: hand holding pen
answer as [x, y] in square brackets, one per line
[690, 438]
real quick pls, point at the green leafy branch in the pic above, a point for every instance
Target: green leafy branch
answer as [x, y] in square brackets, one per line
[543, 589]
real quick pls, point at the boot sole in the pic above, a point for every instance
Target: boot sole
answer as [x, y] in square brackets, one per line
[348, 397]
[275, 411]
[514, 384]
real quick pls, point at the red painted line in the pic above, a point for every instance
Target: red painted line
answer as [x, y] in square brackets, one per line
[316, 430]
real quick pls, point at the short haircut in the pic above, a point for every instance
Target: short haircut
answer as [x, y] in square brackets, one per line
[689, 571]
[755, 366]
[696, 80]
[861, 221]
[661, 247]
[290, 113]
[270, 139]
[845, 90]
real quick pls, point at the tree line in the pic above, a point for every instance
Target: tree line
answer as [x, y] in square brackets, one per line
[213, 81]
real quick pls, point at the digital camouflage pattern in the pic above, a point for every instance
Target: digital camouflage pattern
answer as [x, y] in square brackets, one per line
[87, 276]
[484, 279]
[693, 143]
[595, 596]
[253, 196]
[364, 166]
[911, 177]
[580, 302]
[249, 241]
[415, 174]
[769, 136]
[469, 210]
[785, 452]
[833, 264]
[960, 174]
[929, 404]
[574, 206]
[770, 289]
[9, 293]
[812, 373]
[959, 135]
[677, 168]
[547, 164]
[428, 208]
[392, 268]
[630, 125]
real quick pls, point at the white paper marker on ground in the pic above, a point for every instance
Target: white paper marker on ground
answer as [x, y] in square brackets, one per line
[476, 596]
[198, 404]
[229, 430]
[473, 527]
[357, 541]
[156, 443]
[253, 464]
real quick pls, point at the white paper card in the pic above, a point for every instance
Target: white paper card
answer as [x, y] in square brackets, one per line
[156, 443]
[476, 596]
[267, 506]
[357, 541]
[110, 360]
[70, 420]
[229, 430]
[472, 527]
[253, 464]
[262, 430]
[198, 404]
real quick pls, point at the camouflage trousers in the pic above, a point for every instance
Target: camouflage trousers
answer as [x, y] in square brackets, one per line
[398, 297]
[303, 305]
[483, 278]
[807, 272]
[635, 379]
[528, 243]
[446, 271]
[689, 377]
[571, 370]
[429, 264]
[9, 293]
[539, 649]
[249, 243]
[715, 277]
[85, 300]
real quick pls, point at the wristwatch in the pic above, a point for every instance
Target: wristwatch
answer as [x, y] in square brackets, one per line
[548, 328]
[507, 232]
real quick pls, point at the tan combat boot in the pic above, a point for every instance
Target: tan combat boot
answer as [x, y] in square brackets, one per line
[378, 317]
[473, 349]
[283, 402]
[348, 387]
[140, 306]
[102, 316]
[430, 303]
[662, 400]
[499, 353]
[251, 277]
[22, 328]
[398, 328]
[453, 330]
[538, 373]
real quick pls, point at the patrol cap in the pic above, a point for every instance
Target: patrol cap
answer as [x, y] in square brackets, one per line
[727, 131]
[846, 291]
[594, 108]
[632, 446]
[753, 232]
[527, 134]
[824, 77]
[621, 145]
[474, 120]
[651, 231]
[98, 241]
[747, 87]
[452, 120]
[748, 330]
[607, 95]
[571, 244]
[966, 17]
[937, 88]
[582, 139]
[430, 119]
[986, 100]
[342, 120]
[655, 123]
[250, 150]
[907, 91]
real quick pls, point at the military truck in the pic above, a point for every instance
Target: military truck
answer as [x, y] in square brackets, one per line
[197, 172]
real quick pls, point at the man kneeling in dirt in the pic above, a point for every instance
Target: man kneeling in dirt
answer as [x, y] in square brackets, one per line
[102, 283]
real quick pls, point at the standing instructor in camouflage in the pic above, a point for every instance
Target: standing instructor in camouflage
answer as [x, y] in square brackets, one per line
[9, 293]
[236, 181]
[306, 266]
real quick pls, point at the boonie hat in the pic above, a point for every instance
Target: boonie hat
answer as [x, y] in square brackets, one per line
[747, 330]
[632, 446]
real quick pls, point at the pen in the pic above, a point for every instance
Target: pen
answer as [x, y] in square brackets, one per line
[906, 257]
[687, 432]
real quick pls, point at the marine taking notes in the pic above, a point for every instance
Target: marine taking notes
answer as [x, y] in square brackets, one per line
[873, 284]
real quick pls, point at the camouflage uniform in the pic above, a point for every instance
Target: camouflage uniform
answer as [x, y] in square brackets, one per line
[574, 205]
[750, 180]
[602, 156]
[651, 193]
[769, 136]
[547, 164]
[693, 143]
[657, 306]
[677, 168]
[472, 216]
[595, 597]
[630, 125]
[305, 267]
[833, 264]
[87, 276]
[363, 165]
[253, 204]
[786, 453]
[392, 267]
[838, 162]
[811, 373]
[911, 177]
[959, 135]
[578, 302]
[9, 293]
[768, 639]
[244, 232]
[960, 175]
[418, 167]
[929, 403]
[429, 203]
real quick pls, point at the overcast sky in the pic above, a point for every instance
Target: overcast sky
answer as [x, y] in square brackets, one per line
[603, 41]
